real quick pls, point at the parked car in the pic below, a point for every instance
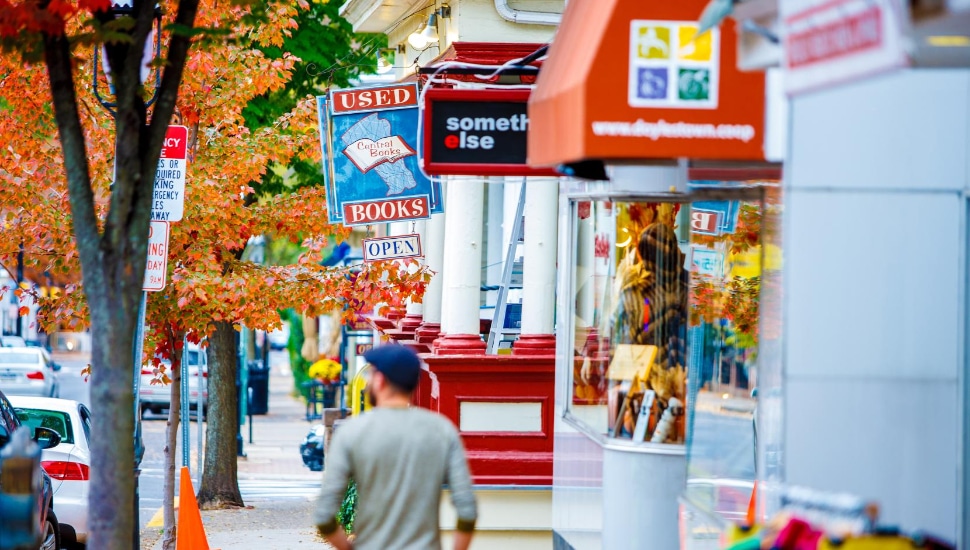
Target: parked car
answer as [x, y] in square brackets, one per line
[312, 448]
[11, 341]
[46, 438]
[158, 397]
[28, 371]
[68, 464]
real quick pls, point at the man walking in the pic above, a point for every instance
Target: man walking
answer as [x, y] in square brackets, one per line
[400, 456]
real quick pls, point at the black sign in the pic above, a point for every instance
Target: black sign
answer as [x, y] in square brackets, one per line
[477, 132]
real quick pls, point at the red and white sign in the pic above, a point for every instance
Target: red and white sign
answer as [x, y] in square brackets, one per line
[156, 270]
[168, 197]
[367, 153]
[704, 221]
[373, 99]
[368, 212]
[392, 248]
[835, 41]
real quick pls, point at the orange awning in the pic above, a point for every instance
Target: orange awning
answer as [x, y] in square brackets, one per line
[627, 80]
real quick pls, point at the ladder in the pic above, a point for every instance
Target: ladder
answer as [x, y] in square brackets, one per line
[511, 279]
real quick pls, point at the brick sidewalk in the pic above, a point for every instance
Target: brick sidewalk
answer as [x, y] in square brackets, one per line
[275, 450]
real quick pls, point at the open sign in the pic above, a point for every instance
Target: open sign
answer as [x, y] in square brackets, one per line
[392, 248]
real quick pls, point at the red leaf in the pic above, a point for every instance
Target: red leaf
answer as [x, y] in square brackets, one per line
[24, 311]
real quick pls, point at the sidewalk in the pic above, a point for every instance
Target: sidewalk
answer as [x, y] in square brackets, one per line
[278, 490]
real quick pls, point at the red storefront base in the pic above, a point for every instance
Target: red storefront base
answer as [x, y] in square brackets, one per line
[510, 457]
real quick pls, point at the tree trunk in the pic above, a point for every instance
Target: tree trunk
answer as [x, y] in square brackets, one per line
[171, 446]
[220, 485]
[112, 522]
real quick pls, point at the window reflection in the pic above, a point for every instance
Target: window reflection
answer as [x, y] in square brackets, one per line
[629, 379]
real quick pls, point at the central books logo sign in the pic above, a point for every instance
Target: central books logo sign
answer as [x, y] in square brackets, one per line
[369, 138]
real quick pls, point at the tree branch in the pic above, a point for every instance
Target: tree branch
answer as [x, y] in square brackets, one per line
[57, 56]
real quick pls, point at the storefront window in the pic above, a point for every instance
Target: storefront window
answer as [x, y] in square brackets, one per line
[631, 315]
[666, 326]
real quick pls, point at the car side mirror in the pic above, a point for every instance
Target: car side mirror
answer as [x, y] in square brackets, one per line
[56, 366]
[46, 437]
[4, 436]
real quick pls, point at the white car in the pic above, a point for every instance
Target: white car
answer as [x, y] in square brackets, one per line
[68, 464]
[158, 397]
[28, 371]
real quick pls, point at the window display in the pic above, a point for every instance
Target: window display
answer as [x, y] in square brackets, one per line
[632, 287]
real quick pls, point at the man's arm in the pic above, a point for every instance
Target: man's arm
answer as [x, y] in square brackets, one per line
[335, 479]
[462, 496]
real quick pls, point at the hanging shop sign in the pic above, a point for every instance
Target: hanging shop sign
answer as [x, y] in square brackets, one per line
[156, 270]
[371, 171]
[477, 132]
[834, 41]
[392, 248]
[168, 196]
[714, 217]
[828, 42]
[649, 87]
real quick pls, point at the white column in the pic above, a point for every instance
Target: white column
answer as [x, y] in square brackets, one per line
[513, 186]
[585, 280]
[462, 278]
[420, 227]
[434, 258]
[495, 254]
[539, 269]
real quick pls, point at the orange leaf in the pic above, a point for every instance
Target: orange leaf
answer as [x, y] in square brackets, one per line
[24, 311]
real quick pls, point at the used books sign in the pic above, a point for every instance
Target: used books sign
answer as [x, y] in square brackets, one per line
[477, 132]
[370, 163]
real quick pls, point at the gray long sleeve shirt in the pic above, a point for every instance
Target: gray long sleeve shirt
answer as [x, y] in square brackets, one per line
[400, 458]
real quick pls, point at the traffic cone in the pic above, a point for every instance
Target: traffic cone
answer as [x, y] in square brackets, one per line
[189, 534]
[751, 516]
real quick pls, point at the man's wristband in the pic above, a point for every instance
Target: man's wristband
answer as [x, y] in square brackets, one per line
[328, 528]
[465, 525]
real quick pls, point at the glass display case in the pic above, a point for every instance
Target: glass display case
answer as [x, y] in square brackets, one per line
[665, 306]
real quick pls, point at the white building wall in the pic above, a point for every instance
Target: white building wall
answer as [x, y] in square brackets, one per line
[875, 295]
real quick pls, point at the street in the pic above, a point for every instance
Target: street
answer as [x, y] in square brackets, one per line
[288, 482]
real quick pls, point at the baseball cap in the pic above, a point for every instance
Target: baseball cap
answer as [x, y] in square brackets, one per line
[399, 364]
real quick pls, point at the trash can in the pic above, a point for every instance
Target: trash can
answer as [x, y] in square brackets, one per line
[258, 388]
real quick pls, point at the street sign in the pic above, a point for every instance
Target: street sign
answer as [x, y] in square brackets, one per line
[834, 41]
[392, 248]
[369, 138]
[156, 269]
[477, 132]
[168, 198]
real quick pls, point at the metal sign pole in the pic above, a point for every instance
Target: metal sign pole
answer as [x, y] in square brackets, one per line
[200, 408]
[184, 404]
[136, 385]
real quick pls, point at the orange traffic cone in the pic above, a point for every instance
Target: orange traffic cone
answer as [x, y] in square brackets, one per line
[751, 516]
[189, 534]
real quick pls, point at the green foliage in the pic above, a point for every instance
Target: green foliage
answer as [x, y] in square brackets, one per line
[348, 508]
[330, 55]
[298, 365]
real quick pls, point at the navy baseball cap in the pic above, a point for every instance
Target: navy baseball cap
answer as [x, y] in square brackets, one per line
[399, 364]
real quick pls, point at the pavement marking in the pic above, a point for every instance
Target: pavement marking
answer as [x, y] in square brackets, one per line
[158, 520]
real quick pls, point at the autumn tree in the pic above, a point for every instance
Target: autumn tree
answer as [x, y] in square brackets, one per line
[211, 290]
[112, 248]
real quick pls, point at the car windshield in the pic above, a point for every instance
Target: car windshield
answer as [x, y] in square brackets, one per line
[11, 358]
[58, 421]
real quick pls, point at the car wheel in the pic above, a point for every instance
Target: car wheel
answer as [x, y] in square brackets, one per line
[51, 539]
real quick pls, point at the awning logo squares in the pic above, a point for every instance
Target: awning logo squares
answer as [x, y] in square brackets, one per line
[671, 67]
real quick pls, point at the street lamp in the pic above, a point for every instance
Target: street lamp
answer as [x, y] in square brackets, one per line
[153, 47]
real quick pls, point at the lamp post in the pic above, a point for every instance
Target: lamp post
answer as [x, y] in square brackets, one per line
[153, 46]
